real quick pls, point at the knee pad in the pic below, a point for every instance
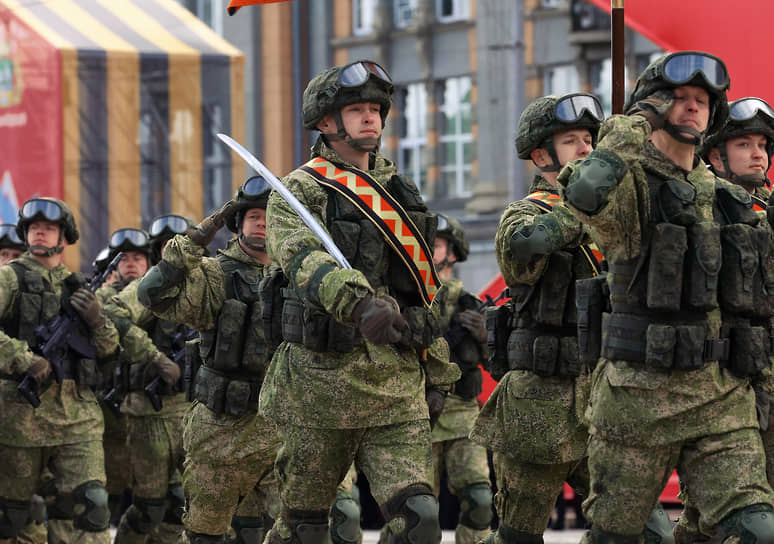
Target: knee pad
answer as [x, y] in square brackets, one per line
[247, 530]
[658, 528]
[90, 501]
[306, 526]
[146, 514]
[476, 506]
[512, 536]
[175, 505]
[344, 521]
[419, 510]
[15, 515]
[598, 536]
[752, 524]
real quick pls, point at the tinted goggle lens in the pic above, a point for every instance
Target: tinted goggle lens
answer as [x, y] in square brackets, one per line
[747, 108]
[443, 223]
[357, 74]
[102, 257]
[255, 187]
[172, 223]
[571, 108]
[682, 68]
[132, 237]
[49, 210]
[9, 231]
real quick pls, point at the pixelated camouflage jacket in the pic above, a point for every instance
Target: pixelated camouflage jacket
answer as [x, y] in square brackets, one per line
[456, 419]
[371, 385]
[132, 319]
[68, 412]
[630, 402]
[531, 418]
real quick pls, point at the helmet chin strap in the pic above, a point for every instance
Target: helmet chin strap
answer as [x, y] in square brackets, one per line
[548, 145]
[365, 145]
[253, 242]
[684, 134]
[746, 180]
[43, 251]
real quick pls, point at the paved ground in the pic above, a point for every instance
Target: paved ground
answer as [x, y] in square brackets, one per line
[570, 536]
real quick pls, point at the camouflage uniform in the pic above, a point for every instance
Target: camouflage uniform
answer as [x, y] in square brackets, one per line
[681, 408]
[154, 440]
[227, 456]
[533, 423]
[64, 433]
[465, 462]
[366, 404]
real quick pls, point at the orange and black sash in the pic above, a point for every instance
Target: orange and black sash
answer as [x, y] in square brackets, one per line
[759, 204]
[381, 208]
[546, 200]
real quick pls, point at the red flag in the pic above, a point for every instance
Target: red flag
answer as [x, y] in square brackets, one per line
[234, 5]
[737, 32]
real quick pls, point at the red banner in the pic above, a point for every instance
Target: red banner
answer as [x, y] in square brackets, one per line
[234, 5]
[30, 117]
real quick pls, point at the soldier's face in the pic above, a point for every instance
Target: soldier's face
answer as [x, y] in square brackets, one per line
[442, 250]
[7, 254]
[254, 223]
[43, 233]
[572, 144]
[691, 108]
[747, 154]
[133, 265]
[362, 120]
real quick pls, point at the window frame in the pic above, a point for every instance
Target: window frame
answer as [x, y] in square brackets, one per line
[459, 167]
[460, 11]
[368, 7]
[417, 143]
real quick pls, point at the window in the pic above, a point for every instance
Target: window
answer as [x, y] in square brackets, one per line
[413, 133]
[602, 83]
[209, 11]
[452, 10]
[363, 16]
[561, 79]
[404, 12]
[456, 139]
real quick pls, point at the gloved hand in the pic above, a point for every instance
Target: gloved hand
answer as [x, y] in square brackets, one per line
[379, 319]
[87, 305]
[654, 108]
[167, 369]
[435, 398]
[39, 370]
[474, 322]
[203, 233]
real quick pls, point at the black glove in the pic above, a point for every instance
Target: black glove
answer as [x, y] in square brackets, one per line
[39, 370]
[654, 108]
[379, 319]
[474, 322]
[203, 233]
[87, 305]
[435, 398]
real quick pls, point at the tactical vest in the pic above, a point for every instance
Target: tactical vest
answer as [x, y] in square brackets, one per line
[464, 350]
[236, 353]
[659, 302]
[36, 305]
[367, 251]
[537, 329]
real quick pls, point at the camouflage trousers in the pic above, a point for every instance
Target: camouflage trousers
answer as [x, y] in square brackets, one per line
[465, 463]
[312, 462]
[526, 492]
[116, 452]
[228, 469]
[72, 465]
[721, 473]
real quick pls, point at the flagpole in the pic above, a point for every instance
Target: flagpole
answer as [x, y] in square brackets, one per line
[617, 47]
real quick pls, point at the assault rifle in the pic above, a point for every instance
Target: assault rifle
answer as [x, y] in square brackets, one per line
[155, 388]
[61, 335]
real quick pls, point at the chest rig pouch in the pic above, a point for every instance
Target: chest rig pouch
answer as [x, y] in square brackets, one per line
[36, 306]
[237, 352]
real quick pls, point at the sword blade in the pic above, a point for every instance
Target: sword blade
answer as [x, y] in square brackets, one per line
[290, 198]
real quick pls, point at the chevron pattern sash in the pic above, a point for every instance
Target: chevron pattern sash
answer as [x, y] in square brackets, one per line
[546, 200]
[387, 215]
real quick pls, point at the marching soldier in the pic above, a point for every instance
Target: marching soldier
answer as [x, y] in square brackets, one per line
[672, 388]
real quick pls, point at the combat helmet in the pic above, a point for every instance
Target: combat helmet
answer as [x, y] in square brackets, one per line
[253, 193]
[163, 228]
[334, 88]
[451, 230]
[687, 68]
[749, 115]
[49, 209]
[547, 115]
[9, 238]
[129, 239]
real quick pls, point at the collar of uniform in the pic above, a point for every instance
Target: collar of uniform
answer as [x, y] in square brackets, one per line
[382, 168]
[58, 273]
[234, 251]
[539, 183]
[657, 162]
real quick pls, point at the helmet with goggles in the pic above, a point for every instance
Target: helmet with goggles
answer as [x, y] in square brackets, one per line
[683, 68]
[9, 238]
[450, 229]
[253, 193]
[48, 209]
[331, 90]
[129, 239]
[163, 228]
[549, 115]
